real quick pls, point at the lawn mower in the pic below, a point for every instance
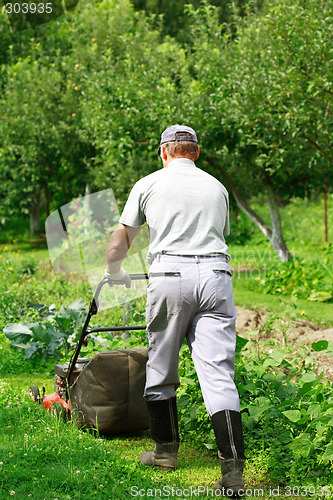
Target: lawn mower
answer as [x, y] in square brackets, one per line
[104, 392]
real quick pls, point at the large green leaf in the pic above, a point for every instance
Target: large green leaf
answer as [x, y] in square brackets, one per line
[78, 306]
[32, 348]
[64, 322]
[53, 346]
[260, 406]
[302, 445]
[19, 332]
[183, 400]
[240, 343]
[40, 333]
[293, 415]
[328, 455]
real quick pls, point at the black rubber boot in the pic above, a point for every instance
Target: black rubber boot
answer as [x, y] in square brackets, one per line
[228, 429]
[164, 431]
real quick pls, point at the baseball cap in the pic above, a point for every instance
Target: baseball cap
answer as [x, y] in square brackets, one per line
[169, 135]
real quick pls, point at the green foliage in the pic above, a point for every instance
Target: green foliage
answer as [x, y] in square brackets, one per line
[286, 409]
[54, 335]
[27, 267]
[241, 229]
[299, 279]
[41, 152]
[85, 98]
[129, 97]
[10, 228]
[266, 104]
[176, 22]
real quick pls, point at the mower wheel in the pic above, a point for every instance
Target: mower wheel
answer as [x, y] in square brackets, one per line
[34, 393]
[57, 410]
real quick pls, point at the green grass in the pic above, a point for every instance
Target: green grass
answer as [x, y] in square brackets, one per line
[303, 226]
[288, 307]
[43, 457]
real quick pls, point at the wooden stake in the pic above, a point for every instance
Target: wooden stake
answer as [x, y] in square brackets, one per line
[325, 213]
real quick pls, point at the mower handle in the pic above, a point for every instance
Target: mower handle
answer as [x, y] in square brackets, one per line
[93, 309]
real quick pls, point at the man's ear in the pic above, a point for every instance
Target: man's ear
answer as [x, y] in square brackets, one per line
[198, 153]
[164, 153]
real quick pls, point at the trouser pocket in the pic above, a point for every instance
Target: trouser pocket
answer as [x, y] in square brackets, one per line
[223, 271]
[223, 292]
[164, 296]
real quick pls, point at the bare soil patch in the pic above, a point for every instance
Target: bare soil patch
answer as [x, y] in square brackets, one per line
[298, 332]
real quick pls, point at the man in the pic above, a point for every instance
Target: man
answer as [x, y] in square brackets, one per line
[189, 295]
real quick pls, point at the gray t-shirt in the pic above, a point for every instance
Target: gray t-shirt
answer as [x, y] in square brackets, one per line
[186, 210]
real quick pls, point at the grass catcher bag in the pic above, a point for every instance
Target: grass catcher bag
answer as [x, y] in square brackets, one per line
[107, 394]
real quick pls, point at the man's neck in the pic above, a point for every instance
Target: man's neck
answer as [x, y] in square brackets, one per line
[172, 158]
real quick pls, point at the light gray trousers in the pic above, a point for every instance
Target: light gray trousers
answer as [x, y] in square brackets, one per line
[192, 298]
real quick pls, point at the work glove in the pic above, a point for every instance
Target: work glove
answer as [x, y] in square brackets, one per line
[120, 276]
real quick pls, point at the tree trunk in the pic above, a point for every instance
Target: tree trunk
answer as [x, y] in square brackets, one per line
[87, 211]
[274, 235]
[243, 205]
[47, 200]
[276, 239]
[34, 213]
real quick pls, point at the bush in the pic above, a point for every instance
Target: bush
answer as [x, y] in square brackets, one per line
[286, 410]
[299, 278]
[241, 229]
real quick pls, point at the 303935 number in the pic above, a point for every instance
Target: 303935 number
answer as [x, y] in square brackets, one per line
[308, 491]
[25, 8]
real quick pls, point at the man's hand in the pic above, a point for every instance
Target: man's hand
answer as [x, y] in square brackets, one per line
[120, 276]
